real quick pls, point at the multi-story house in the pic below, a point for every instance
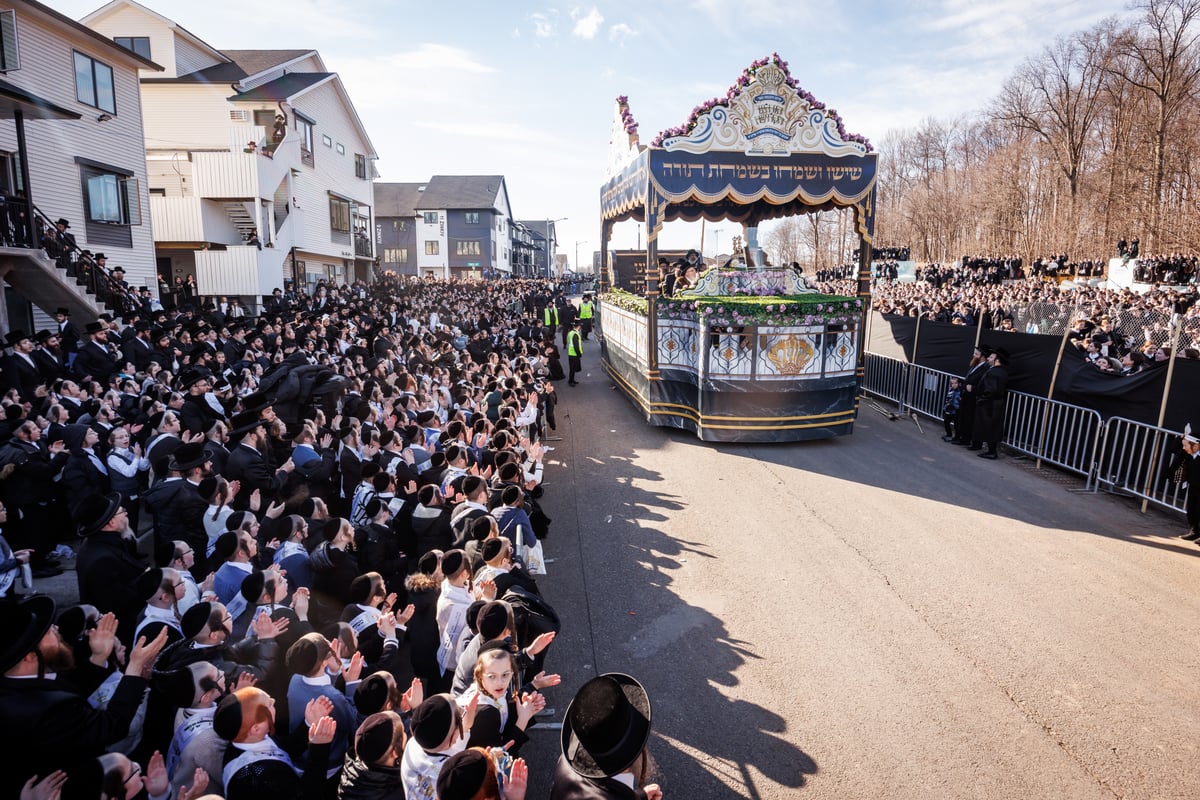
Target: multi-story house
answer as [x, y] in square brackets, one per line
[461, 226]
[545, 241]
[524, 247]
[260, 169]
[396, 226]
[71, 148]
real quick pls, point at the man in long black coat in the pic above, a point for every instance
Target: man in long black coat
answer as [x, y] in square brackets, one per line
[989, 408]
[970, 393]
[94, 359]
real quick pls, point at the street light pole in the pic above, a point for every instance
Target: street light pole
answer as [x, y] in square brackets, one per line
[717, 236]
[576, 264]
[549, 251]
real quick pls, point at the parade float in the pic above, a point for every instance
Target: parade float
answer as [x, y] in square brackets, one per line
[750, 353]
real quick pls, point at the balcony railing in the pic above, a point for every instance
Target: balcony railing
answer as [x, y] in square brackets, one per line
[363, 246]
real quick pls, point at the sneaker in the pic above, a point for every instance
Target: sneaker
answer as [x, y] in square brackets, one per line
[1191, 535]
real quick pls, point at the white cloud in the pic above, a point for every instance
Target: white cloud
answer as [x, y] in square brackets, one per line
[439, 57]
[544, 25]
[621, 32]
[586, 25]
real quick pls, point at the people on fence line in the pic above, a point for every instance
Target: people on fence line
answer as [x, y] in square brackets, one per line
[324, 619]
[992, 397]
[1185, 471]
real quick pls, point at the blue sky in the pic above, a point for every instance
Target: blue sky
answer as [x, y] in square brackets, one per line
[526, 89]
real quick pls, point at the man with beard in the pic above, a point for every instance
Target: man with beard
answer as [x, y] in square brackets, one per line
[108, 563]
[176, 503]
[248, 465]
[163, 589]
[46, 721]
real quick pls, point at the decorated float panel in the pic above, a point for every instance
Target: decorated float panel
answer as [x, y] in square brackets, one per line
[750, 352]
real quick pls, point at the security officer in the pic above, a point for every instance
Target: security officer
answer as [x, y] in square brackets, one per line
[574, 352]
[587, 310]
[550, 319]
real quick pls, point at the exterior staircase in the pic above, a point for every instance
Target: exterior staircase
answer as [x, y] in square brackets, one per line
[241, 218]
[41, 281]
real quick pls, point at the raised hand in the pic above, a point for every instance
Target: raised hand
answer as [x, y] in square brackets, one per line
[245, 680]
[352, 672]
[156, 780]
[143, 655]
[406, 614]
[528, 705]
[322, 731]
[102, 639]
[413, 697]
[541, 643]
[518, 781]
[48, 788]
[543, 681]
[317, 708]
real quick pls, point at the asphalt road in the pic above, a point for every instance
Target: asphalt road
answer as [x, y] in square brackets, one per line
[880, 615]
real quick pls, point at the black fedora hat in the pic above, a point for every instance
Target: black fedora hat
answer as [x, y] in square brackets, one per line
[64, 222]
[1001, 355]
[15, 337]
[606, 726]
[94, 512]
[94, 327]
[243, 423]
[188, 456]
[22, 626]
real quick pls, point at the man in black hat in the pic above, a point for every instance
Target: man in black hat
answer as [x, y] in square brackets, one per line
[29, 493]
[108, 564]
[63, 245]
[176, 503]
[604, 737]
[1186, 467]
[970, 393]
[46, 722]
[138, 349]
[20, 370]
[94, 360]
[197, 415]
[248, 465]
[989, 408]
[48, 355]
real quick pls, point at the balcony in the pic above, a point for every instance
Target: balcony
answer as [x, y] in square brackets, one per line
[177, 219]
[363, 247]
[244, 271]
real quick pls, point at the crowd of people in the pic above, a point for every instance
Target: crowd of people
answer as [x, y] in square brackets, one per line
[1122, 321]
[307, 552]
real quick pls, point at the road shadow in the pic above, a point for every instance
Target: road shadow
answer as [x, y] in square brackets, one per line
[617, 573]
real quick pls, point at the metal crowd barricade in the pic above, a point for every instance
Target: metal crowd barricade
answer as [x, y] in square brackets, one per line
[926, 391]
[885, 377]
[1134, 460]
[1062, 434]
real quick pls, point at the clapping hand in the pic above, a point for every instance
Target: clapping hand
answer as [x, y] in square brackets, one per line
[48, 788]
[316, 709]
[322, 731]
[155, 779]
[199, 784]
[528, 705]
[543, 681]
[413, 697]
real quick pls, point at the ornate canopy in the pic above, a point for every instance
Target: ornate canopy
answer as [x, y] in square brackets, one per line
[767, 149]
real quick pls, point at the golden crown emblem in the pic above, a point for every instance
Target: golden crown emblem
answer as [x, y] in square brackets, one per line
[790, 354]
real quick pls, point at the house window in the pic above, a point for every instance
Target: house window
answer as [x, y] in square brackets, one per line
[305, 128]
[360, 166]
[472, 217]
[111, 198]
[94, 83]
[431, 248]
[399, 224]
[466, 248]
[10, 57]
[395, 255]
[341, 148]
[138, 44]
[339, 215]
[431, 218]
[326, 140]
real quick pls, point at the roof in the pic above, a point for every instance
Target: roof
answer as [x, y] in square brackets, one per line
[537, 227]
[397, 199]
[461, 191]
[104, 10]
[14, 98]
[283, 87]
[79, 27]
[256, 61]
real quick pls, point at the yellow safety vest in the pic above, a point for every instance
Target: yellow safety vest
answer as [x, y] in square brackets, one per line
[585, 310]
[574, 344]
[551, 315]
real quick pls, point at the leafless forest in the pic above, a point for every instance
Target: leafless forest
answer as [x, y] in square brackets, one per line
[1093, 139]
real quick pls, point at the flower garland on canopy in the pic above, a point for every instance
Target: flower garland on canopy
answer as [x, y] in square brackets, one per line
[631, 126]
[744, 80]
[806, 310]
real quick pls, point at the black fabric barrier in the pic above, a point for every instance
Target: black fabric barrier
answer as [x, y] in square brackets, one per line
[948, 348]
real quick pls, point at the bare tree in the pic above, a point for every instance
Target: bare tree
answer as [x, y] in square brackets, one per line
[1161, 57]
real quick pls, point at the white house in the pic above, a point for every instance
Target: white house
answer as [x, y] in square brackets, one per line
[242, 143]
[69, 103]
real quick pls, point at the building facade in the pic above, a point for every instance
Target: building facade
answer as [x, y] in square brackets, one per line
[69, 99]
[452, 226]
[260, 169]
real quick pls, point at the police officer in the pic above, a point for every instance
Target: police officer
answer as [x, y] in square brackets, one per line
[587, 310]
[574, 352]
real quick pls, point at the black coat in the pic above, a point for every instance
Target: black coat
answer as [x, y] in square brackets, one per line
[106, 568]
[178, 511]
[570, 785]
[989, 406]
[33, 479]
[45, 726]
[361, 781]
[23, 376]
[95, 360]
[247, 465]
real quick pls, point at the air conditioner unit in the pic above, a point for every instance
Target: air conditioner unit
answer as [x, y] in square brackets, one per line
[239, 116]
